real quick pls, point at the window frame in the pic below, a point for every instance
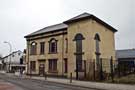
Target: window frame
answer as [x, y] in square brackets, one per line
[42, 48]
[53, 48]
[33, 65]
[52, 65]
[33, 48]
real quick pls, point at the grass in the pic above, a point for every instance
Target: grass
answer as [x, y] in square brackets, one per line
[129, 79]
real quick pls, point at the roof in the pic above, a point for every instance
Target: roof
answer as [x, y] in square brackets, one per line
[86, 16]
[83, 15]
[55, 27]
[64, 25]
[13, 53]
[127, 53]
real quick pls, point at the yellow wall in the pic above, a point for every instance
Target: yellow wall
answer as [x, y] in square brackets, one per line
[88, 28]
[59, 55]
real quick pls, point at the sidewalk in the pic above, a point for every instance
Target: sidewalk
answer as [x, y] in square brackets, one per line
[87, 84]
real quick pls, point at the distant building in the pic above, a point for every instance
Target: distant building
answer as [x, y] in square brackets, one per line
[14, 61]
[1, 65]
[69, 47]
[126, 57]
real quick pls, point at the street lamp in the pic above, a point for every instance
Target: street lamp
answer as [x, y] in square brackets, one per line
[9, 53]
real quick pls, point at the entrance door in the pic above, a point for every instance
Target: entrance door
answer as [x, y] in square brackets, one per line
[41, 69]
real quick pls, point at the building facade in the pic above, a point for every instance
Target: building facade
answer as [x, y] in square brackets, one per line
[14, 61]
[68, 47]
[126, 60]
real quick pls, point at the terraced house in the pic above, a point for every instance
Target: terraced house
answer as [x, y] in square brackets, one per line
[68, 47]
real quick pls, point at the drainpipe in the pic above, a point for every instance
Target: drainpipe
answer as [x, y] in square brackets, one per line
[62, 53]
[28, 57]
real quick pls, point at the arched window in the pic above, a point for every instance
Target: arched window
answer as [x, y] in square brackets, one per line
[53, 46]
[97, 40]
[97, 52]
[33, 48]
[78, 38]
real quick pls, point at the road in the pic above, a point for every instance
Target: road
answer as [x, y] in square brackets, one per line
[17, 83]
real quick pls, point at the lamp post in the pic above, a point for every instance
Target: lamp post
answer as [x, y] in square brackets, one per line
[10, 50]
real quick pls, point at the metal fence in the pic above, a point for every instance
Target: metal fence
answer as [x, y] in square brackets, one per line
[106, 69]
[125, 68]
[102, 71]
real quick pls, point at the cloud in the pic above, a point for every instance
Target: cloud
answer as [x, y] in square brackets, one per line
[21, 17]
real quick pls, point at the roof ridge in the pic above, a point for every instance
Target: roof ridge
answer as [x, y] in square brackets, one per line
[48, 27]
[125, 49]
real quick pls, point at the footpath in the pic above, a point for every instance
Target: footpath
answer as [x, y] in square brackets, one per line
[87, 84]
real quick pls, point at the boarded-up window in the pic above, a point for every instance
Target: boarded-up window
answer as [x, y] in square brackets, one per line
[52, 64]
[42, 47]
[32, 65]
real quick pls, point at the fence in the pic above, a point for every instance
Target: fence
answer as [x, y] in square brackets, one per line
[105, 69]
[99, 71]
[125, 68]
[108, 69]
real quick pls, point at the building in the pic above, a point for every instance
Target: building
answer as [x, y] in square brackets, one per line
[126, 60]
[14, 61]
[126, 55]
[1, 64]
[68, 47]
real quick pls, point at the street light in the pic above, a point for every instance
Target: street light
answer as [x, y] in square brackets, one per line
[9, 53]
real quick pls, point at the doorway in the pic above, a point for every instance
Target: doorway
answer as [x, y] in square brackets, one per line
[41, 69]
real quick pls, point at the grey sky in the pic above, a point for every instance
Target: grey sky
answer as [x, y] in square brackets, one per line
[21, 17]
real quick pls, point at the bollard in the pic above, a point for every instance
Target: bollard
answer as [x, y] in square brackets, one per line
[70, 77]
[45, 75]
[111, 69]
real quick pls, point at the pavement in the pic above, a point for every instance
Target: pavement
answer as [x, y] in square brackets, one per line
[85, 84]
[88, 84]
[8, 86]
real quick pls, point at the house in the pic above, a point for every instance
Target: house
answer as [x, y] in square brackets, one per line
[68, 47]
[1, 64]
[14, 61]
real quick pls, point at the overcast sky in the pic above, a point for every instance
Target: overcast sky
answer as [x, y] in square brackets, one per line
[21, 17]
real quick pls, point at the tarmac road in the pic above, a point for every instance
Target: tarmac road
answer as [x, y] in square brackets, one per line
[18, 83]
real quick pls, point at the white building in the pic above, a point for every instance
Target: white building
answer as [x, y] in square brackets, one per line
[0, 63]
[14, 61]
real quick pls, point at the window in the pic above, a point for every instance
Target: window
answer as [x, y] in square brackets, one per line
[21, 60]
[12, 55]
[66, 45]
[97, 40]
[33, 48]
[97, 52]
[53, 65]
[42, 47]
[66, 65]
[19, 53]
[53, 46]
[78, 38]
[32, 65]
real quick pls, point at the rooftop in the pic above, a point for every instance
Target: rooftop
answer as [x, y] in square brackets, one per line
[127, 53]
[64, 25]
[49, 29]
